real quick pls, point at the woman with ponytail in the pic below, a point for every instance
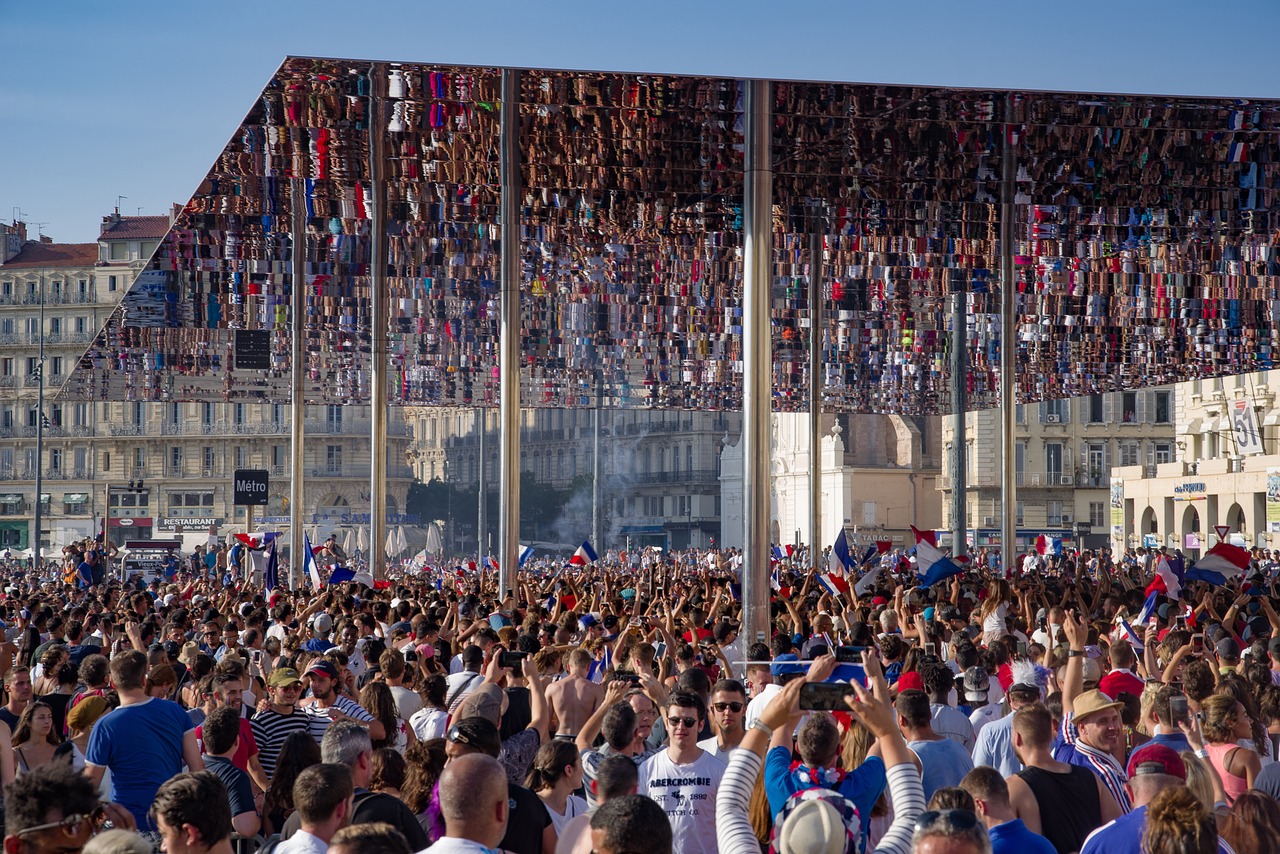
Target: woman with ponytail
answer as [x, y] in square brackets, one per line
[555, 775]
[1177, 823]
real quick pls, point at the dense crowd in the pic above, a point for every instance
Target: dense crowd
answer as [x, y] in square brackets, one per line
[1074, 704]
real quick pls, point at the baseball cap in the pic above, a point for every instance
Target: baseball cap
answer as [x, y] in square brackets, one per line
[786, 663]
[1156, 759]
[1227, 648]
[911, 681]
[283, 676]
[484, 702]
[323, 666]
[586, 621]
[976, 683]
[610, 621]
[928, 614]
[323, 623]
[172, 649]
[1093, 702]
[950, 612]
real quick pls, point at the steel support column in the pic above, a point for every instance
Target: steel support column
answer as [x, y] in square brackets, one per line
[509, 334]
[757, 359]
[378, 321]
[297, 351]
[959, 463]
[1008, 344]
[815, 392]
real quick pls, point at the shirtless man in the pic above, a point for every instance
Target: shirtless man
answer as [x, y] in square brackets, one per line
[574, 698]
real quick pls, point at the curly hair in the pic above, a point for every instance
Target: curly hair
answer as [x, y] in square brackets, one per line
[45, 788]
[423, 763]
[1177, 823]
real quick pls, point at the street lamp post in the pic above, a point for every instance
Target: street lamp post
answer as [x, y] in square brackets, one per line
[39, 516]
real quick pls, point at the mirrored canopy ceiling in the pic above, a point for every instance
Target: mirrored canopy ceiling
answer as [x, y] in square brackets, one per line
[1145, 229]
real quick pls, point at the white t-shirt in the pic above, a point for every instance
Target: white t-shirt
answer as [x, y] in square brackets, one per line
[573, 806]
[429, 722]
[993, 627]
[687, 793]
[983, 716]
[756, 707]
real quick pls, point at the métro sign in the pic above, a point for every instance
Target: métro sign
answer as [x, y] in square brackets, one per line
[251, 487]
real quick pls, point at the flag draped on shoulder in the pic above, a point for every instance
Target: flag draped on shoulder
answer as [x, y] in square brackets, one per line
[932, 564]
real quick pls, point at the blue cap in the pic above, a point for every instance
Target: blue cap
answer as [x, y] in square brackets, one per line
[781, 665]
[928, 614]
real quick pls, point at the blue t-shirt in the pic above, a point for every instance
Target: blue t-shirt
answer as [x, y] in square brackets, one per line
[862, 785]
[1014, 837]
[142, 745]
[239, 792]
[1124, 836]
[945, 762]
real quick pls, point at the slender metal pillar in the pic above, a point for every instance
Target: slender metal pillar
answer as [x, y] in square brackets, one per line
[378, 322]
[757, 360]
[297, 403]
[509, 334]
[482, 490]
[1008, 345]
[36, 545]
[959, 463]
[815, 396]
[597, 512]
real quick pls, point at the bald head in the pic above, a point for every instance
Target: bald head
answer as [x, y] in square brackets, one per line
[473, 799]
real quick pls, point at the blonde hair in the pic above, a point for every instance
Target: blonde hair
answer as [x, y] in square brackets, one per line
[1202, 779]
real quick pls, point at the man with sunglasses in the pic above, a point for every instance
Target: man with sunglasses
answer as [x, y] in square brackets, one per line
[54, 809]
[728, 708]
[684, 778]
[272, 725]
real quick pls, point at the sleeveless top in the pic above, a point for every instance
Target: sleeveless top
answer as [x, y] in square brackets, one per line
[1233, 785]
[1069, 805]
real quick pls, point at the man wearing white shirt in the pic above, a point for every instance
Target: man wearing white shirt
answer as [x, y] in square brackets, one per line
[684, 778]
[323, 796]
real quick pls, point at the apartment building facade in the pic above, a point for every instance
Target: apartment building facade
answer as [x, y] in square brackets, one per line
[150, 469]
[1064, 452]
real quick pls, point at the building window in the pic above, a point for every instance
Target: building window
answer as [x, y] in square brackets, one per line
[241, 458]
[1097, 514]
[1095, 409]
[55, 366]
[209, 459]
[1128, 453]
[1019, 513]
[10, 505]
[1129, 407]
[75, 504]
[106, 461]
[1164, 452]
[1019, 413]
[55, 460]
[1053, 514]
[175, 459]
[333, 458]
[139, 459]
[1164, 413]
[111, 283]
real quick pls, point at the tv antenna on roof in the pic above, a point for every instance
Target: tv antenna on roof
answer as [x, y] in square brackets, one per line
[119, 199]
[18, 214]
[40, 227]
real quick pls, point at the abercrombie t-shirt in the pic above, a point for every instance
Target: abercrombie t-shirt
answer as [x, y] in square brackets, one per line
[687, 793]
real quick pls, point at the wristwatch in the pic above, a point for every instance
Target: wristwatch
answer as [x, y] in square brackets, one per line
[1075, 653]
[763, 727]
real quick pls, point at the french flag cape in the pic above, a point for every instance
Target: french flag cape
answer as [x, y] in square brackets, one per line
[932, 564]
[1170, 572]
[1220, 564]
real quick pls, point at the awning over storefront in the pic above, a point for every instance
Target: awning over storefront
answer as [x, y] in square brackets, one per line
[75, 497]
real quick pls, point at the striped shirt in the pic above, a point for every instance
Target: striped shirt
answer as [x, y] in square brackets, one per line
[270, 729]
[1075, 752]
[319, 716]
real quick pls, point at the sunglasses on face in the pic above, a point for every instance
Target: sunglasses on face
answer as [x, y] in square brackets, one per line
[733, 707]
[675, 721]
[71, 826]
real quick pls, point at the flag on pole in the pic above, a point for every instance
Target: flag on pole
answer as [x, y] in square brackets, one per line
[1131, 636]
[1148, 608]
[778, 554]
[491, 562]
[1220, 564]
[1046, 545]
[584, 556]
[309, 563]
[838, 558]
[868, 580]
[257, 540]
[932, 565]
[525, 553]
[1169, 575]
[834, 584]
[271, 575]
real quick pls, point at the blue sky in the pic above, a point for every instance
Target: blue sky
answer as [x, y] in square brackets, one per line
[136, 99]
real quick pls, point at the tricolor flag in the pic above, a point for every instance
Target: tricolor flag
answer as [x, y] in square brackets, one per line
[834, 584]
[1238, 152]
[1148, 608]
[524, 553]
[774, 582]
[1220, 564]
[491, 562]
[1168, 580]
[932, 565]
[868, 580]
[1046, 545]
[838, 558]
[778, 555]
[584, 556]
[257, 540]
[342, 573]
[1131, 636]
[309, 563]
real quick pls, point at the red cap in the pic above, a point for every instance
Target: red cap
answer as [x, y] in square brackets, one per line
[911, 681]
[879, 600]
[1156, 759]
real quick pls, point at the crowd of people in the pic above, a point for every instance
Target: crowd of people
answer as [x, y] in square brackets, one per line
[614, 708]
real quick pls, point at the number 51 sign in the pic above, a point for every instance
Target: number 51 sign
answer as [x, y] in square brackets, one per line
[1245, 424]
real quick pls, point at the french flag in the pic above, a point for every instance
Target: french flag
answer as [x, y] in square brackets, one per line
[1049, 545]
[1148, 608]
[584, 556]
[341, 574]
[838, 559]
[525, 552]
[271, 576]
[309, 563]
[491, 562]
[1169, 575]
[1131, 636]
[1220, 564]
[257, 541]
[932, 564]
[778, 554]
[834, 584]
[1238, 152]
